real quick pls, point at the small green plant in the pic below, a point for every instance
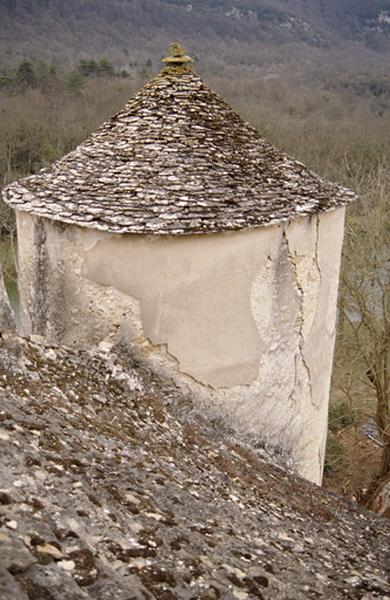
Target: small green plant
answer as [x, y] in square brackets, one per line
[342, 415]
[74, 83]
[335, 455]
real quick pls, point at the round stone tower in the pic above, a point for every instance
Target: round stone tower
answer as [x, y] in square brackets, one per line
[177, 227]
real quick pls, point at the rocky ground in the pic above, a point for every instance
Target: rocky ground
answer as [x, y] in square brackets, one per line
[112, 488]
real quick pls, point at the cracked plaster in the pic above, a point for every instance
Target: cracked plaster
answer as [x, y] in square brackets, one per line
[246, 320]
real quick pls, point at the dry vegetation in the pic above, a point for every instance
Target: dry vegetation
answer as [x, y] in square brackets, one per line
[227, 31]
[339, 127]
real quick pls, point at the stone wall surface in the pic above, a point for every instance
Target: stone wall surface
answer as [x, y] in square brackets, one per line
[245, 320]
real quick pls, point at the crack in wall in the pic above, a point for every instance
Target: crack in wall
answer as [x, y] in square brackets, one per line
[316, 259]
[186, 299]
[162, 350]
[291, 397]
[321, 462]
[301, 294]
[316, 263]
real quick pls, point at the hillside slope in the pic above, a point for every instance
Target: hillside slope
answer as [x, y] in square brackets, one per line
[236, 31]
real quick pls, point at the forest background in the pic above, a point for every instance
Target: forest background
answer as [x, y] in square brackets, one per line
[311, 76]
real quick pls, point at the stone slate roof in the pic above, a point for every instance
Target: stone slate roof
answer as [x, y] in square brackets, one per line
[176, 160]
[113, 488]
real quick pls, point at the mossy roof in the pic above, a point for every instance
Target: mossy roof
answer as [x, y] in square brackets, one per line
[176, 160]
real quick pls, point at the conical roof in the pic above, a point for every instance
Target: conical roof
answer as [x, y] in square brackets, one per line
[176, 160]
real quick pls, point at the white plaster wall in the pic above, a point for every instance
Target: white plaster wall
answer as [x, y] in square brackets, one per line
[246, 318]
[56, 300]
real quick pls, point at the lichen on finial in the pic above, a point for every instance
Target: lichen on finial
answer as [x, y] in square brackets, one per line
[177, 55]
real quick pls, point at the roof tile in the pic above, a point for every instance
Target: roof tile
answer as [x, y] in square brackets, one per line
[176, 160]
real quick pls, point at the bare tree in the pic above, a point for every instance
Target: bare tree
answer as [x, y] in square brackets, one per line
[364, 303]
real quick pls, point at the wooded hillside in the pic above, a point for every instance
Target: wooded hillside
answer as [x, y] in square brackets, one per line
[245, 32]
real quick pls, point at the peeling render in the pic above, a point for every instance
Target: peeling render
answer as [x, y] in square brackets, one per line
[83, 312]
[246, 320]
[192, 290]
[304, 262]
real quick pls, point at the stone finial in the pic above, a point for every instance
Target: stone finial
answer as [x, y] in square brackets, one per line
[7, 317]
[177, 55]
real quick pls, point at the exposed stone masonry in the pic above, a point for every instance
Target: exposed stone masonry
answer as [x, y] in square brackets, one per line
[176, 160]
